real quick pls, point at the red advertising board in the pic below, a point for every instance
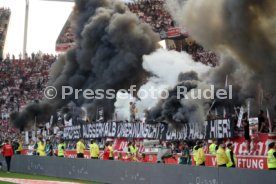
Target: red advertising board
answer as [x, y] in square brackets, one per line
[173, 32]
[248, 162]
[252, 162]
[62, 47]
[258, 146]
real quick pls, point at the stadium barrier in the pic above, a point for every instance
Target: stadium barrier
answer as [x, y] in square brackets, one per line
[242, 161]
[130, 172]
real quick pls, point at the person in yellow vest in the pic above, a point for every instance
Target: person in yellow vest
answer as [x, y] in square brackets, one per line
[271, 156]
[128, 154]
[230, 155]
[135, 152]
[213, 147]
[61, 148]
[199, 154]
[132, 149]
[80, 148]
[221, 156]
[94, 150]
[19, 148]
[41, 147]
[195, 151]
[111, 150]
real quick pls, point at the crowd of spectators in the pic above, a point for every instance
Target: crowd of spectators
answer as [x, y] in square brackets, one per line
[4, 21]
[67, 35]
[22, 81]
[198, 53]
[7, 132]
[153, 13]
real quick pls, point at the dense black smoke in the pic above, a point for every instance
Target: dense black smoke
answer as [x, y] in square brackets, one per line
[243, 33]
[179, 109]
[110, 43]
[236, 74]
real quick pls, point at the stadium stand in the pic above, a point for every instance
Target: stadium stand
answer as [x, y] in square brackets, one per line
[153, 13]
[7, 132]
[66, 37]
[198, 53]
[22, 81]
[4, 22]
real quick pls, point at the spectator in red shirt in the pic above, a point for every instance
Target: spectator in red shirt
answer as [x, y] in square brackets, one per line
[106, 152]
[7, 153]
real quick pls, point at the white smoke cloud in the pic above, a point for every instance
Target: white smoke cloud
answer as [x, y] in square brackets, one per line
[122, 111]
[165, 67]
